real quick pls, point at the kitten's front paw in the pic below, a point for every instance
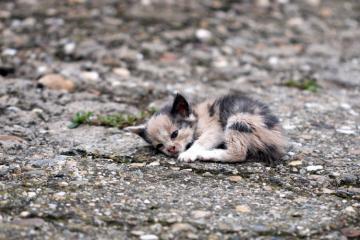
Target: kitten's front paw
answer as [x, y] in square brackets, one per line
[187, 156]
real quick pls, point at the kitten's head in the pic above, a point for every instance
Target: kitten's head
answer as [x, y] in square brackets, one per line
[171, 130]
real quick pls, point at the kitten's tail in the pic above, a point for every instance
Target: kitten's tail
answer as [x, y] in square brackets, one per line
[262, 141]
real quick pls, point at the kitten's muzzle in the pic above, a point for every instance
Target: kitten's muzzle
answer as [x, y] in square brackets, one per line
[172, 150]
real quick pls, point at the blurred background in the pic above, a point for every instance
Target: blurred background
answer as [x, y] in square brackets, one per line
[153, 47]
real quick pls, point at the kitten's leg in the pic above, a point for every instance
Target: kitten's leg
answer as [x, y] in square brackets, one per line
[237, 145]
[216, 155]
[208, 140]
[237, 142]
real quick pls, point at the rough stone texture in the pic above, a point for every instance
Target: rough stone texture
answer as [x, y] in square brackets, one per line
[102, 183]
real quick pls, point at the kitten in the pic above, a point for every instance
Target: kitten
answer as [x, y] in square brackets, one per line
[228, 129]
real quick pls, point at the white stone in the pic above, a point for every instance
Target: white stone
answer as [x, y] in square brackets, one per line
[274, 60]
[203, 34]
[149, 237]
[153, 164]
[31, 194]
[9, 52]
[29, 22]
[137, 233]
[295, 22]
[69, 48]
[42, 69]
[242, 208]
[221, 63]
[314, 168]
[123, 72]
[345, 130]
[60, 194]
[200, 214]
[24, 214]
[345, 106]
[287, 125]
[295, 163]
[52, 206]
[91, 75]
[63, 184]
[182, 227]
[291, 153]
[350, 209]
[352, 112]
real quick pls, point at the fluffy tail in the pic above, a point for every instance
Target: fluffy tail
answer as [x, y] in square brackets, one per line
[252, 132]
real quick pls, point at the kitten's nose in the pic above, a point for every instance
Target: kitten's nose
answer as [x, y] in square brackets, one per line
[172, 149]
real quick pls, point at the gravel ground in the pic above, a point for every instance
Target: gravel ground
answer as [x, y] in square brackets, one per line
[92, 182]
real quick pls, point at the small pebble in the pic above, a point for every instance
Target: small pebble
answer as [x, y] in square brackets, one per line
[137, 233]
[63, 184]
[91, 75]
[295, 163]
[350, 210]
[207, 174]
[69, 48]
[31, 194]
[235, 178]
[59, 195]
[57, 82]
[200, 214]
[154, 164]
[24, 214]
[328, 191]
[149, 237]
[182, 227]
[9, 52]
[203, 35]
[242, 208]
[137, 165]
[123, 72]
[314, 168]
[346, 130]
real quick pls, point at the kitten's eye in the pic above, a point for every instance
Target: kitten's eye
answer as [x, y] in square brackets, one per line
[174, 134]
[160, 145]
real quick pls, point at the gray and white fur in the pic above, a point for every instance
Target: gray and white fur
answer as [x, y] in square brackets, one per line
[227, 129]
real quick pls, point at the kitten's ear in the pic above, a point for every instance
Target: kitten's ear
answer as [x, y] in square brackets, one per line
[180, 106]
[139, 130]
